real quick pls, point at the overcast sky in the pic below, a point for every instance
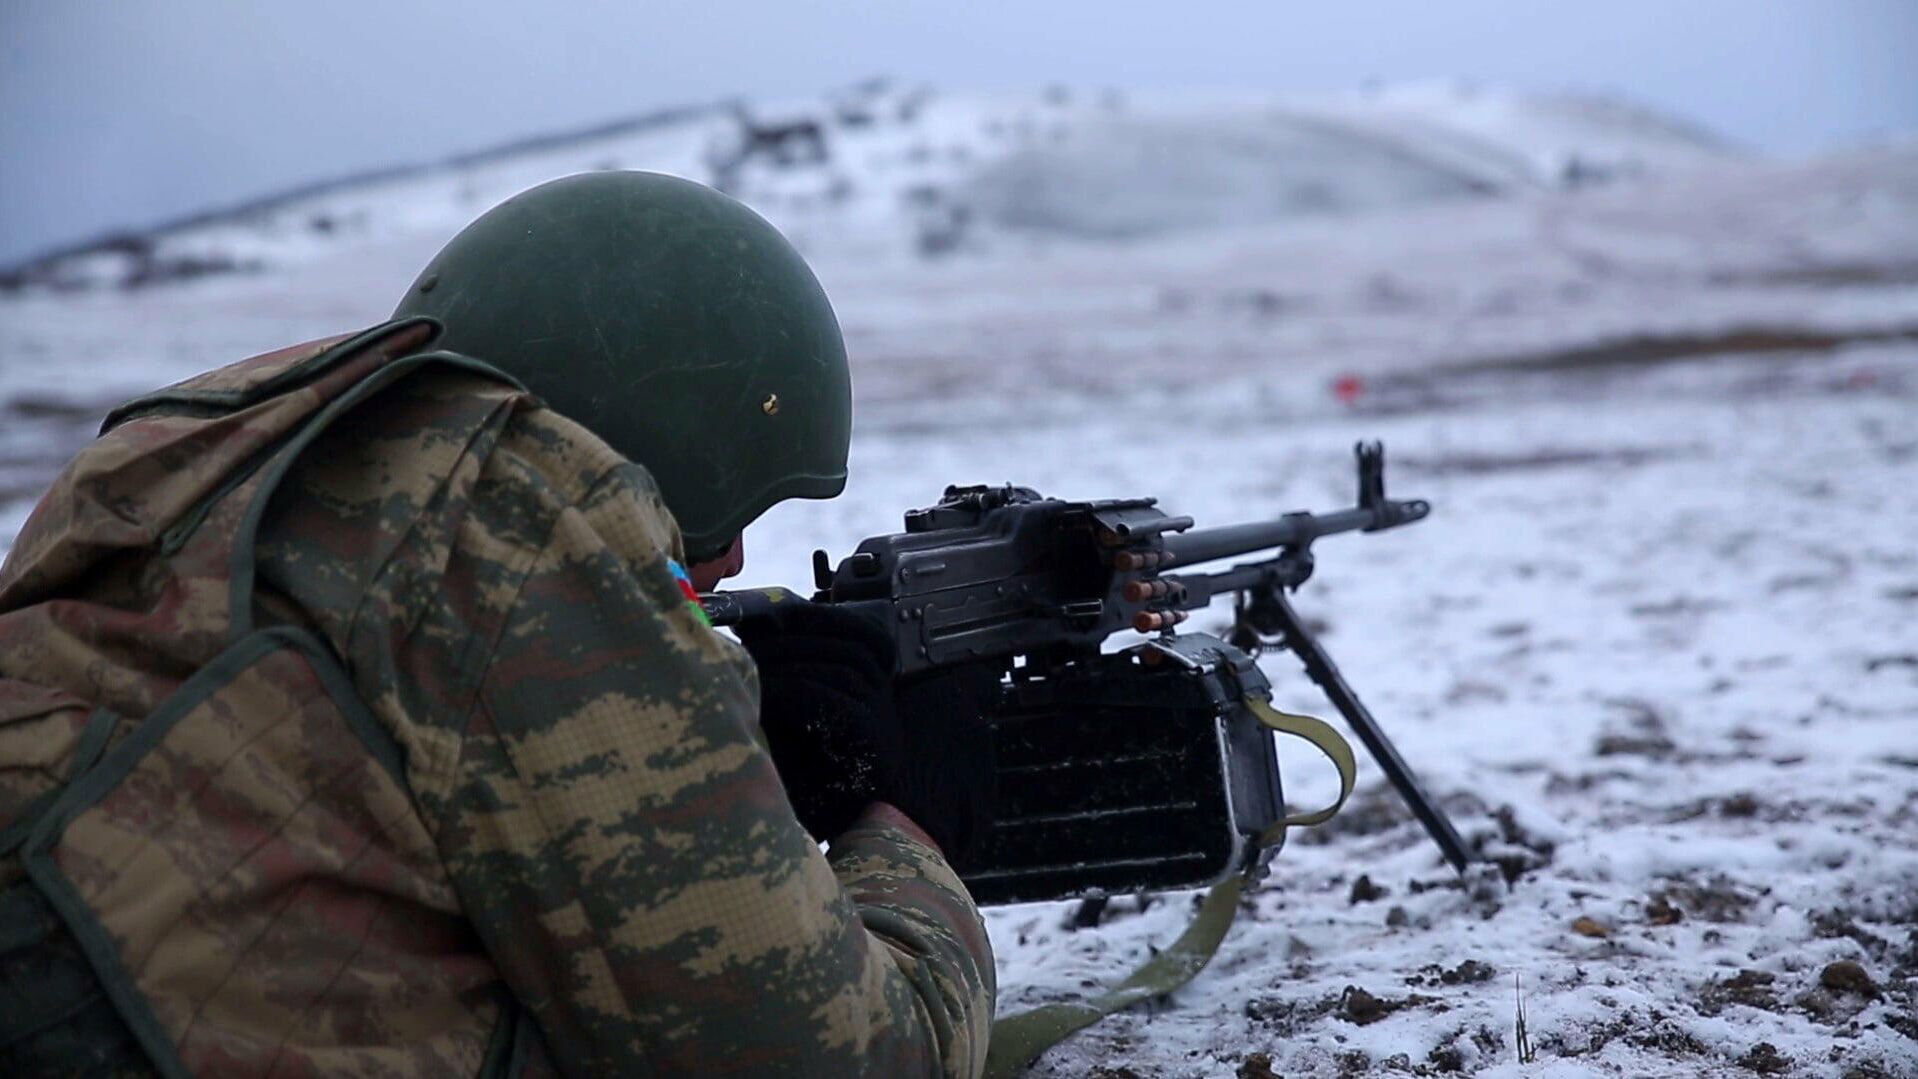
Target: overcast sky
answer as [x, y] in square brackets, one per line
[124, 113]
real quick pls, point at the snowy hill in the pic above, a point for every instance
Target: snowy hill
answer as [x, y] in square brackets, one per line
[881, 166]
[1653, 649]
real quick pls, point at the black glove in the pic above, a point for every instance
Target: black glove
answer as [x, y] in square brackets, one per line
[842, 737]
[947, 781]
[826, 705]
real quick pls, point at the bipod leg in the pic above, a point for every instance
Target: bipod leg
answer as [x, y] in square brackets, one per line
[1320, 668]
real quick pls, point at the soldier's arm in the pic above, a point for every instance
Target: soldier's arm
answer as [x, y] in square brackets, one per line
[624, 846]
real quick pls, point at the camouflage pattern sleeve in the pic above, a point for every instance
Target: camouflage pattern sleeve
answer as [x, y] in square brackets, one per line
[913, 902]
[627, 854]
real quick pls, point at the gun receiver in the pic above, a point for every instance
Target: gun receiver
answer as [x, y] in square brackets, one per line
[995, 572]
[1034, 586]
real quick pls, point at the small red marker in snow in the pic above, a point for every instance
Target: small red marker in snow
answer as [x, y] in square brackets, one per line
[1348, 388]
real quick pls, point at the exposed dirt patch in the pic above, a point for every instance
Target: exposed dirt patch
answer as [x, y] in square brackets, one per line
[1288, 1018]
[1446, 1058]
[1749, 988]
[1719, 899]
[1371, 811]
[1833, 924]
[1765, 1059]
[1361, 1007]
[1677, 607]
[1641, 732]
[33, 407]
[1515, 849]
[1741, 806]
[1353, 1062]
[1560, 784]
[1905, 1020]
[1651, 349]
[1831, 1007]
[1661, 911]
[1829, 275]
[1715, 900]
[1364, 891]
[1480, 464]
[1468, 972]
[1651, 1030]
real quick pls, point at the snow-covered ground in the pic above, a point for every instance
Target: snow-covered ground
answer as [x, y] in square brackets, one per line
[1672, 634]
[1654, 648]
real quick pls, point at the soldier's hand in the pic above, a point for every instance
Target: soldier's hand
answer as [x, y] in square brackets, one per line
[843, 735]
[826, 706]
[946, 780]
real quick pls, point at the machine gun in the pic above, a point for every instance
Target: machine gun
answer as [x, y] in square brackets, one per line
[1118, 771]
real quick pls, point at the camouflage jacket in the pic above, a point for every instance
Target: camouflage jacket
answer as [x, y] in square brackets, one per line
[351, 717]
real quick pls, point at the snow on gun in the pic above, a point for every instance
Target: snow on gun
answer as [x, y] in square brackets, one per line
[1138, 769]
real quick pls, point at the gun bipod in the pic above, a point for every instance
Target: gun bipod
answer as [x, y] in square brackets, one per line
[1263, 616]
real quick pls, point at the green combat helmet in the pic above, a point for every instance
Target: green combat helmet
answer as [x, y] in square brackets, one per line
[671, 321]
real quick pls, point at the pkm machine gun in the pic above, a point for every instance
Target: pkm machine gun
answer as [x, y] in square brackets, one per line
[1133, 769]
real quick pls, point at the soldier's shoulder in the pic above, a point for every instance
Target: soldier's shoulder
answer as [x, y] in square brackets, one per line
[571, 458]
[586, 474]
[464, 434]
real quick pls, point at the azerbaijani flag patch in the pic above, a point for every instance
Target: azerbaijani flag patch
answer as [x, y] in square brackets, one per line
[686, 589]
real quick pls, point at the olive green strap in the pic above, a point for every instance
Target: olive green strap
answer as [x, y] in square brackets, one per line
[1018, 1040]
[1326, 741]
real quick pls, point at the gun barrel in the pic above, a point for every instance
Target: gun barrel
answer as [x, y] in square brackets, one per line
[1291, 530]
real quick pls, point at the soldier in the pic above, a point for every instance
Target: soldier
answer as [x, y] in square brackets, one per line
[355, 717]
